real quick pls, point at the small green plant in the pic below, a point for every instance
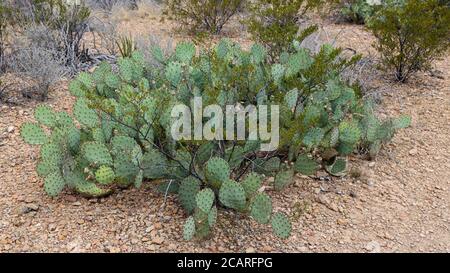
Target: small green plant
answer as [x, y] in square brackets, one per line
[358, 11]
[126, 129]
[202, 15]
[126, 46]
[410, 35]
[274, 23]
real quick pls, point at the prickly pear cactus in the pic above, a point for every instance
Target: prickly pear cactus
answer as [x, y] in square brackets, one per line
[121, 132]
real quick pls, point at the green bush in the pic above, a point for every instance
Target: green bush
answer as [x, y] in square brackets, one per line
[411, 34]
[358, 11]
[274, 23]
[202, 15]
[125, 135]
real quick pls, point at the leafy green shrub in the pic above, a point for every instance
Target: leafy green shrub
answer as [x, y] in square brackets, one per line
[358, 11]
[125, 135]
[411, 34]
[202, 15]
[274, 23]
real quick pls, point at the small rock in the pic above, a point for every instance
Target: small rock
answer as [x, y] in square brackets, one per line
[28, 208]
[373, 247]
[250, 250]
[10, 129]
[158, 240]
[413, 151]
[77, 203]
[372, 164]
[71, 198]
[267, 249]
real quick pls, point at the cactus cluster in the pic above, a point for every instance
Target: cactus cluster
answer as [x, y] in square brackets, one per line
[122, 133]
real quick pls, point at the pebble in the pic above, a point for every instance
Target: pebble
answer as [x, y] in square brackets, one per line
[413, 151]
[250, 250]
[10, 129]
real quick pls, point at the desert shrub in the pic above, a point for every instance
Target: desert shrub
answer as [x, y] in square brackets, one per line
[5, 13]
[202, 15]
[66, 21]
[126, 122]
[108, 5]
[358, 11]
[411, 34]
[275, 23]
[41, 65]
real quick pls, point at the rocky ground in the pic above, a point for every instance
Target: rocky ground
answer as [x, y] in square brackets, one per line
[398, 203]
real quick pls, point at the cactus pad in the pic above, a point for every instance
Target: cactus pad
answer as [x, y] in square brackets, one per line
[189, 229]
[45, 115]
[305, 165]
[187, 193]
[104, 175]
[217, 170]
[261, 208]
[33, 134]
[54, 183]
[97, 153]
[232, 195]
[84, 114]
[281, 225]
[205, 199]
[283, 179]
[251, 184]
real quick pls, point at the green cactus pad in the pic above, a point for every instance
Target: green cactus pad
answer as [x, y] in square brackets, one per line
[205, 152]
[349, 132]
[139, 178]
[261, 208]
[97, 135]
[51, 153]
[258, 53]
[97, 153]
[232, 195]
[217, 170]
[54, 184]
[338, 168]
[187, 193]
[104, 175]
[401, 122]
[185, 51]
[89, 189]
[44, 168]
[173, 73]
[290, 99]
[305, 165]
[189, 229]
[33, 134]
[313, 137]
[281, 225]
[212, 216]
[283, 179]
[267, 167]
[84, 114]
[45, 115]
[251, 184]
[205, 199]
